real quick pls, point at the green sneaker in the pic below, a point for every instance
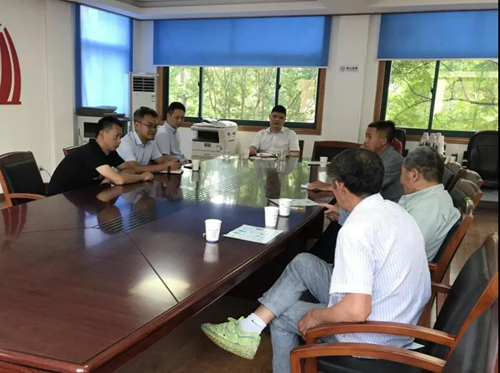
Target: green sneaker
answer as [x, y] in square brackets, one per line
[230, 337]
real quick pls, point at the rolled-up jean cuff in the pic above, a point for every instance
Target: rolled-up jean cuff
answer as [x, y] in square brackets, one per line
[262, 300]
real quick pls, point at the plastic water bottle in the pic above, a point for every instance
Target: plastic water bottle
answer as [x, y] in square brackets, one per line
[432, 141]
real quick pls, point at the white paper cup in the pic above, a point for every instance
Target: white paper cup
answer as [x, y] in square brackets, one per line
[245, 154]
[212, 230]
[285, 204]
[271, 213]
[322, 176]
[196, 164]
[211, 254]
[323, 161]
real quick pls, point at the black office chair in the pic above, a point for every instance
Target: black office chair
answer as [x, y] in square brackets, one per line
[400, 134]
[20, 178]
[482, 157]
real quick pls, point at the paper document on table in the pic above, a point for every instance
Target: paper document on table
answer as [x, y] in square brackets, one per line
[300, 202]
[253, 234]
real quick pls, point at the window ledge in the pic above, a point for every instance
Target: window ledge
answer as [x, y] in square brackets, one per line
[447, 139]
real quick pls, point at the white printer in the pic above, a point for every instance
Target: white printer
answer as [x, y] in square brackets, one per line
[212, 136]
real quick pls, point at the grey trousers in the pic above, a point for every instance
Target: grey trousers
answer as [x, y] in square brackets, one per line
[305, 272]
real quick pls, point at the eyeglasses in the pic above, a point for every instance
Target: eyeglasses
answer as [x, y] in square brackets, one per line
[152, 127]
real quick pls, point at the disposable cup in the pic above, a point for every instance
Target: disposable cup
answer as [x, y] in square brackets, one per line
[212, 230]
[271, 214]
[323, 161]
[285, 204]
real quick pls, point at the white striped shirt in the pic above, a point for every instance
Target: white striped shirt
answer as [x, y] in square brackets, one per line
[381, 252]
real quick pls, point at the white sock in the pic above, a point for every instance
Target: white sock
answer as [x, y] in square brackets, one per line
[253, 323]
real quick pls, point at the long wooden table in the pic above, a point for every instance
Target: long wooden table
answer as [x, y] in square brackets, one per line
[92, 277]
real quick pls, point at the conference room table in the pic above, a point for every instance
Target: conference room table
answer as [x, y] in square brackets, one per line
[92, 277]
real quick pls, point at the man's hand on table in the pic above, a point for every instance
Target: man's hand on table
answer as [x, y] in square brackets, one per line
[319, 185]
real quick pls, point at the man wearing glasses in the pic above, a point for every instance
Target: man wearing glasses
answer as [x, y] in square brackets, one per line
[139, 148]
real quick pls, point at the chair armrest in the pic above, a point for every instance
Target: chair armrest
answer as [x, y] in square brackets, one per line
[398, 355]
[407, 330]
[432, 267]
[25, 196]
[441, 288]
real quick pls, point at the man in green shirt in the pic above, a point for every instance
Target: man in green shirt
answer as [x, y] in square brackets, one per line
[425, 198]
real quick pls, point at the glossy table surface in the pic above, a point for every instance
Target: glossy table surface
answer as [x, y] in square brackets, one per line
[88, 274]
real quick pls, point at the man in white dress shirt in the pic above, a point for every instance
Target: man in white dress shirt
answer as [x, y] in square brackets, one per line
[139, 148]
[380, 273]
[167, 138]
[276, 137]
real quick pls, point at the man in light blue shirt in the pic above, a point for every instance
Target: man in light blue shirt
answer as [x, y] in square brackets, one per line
[139, 147]
[167, 138]
[425, 198]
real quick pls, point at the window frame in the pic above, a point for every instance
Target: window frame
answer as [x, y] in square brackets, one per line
[245, 125]
[381, 101]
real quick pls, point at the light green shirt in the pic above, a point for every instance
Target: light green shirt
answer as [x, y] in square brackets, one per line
[433, 210]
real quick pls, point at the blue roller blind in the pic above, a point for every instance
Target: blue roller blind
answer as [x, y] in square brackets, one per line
[273, 41]
[103, 58]
[442, 35]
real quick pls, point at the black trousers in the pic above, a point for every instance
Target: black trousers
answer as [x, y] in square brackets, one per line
[324, 248]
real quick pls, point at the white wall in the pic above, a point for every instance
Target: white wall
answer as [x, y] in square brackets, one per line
[42, 32]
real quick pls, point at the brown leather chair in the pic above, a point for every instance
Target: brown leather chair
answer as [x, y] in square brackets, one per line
[477, 351]
[466, 188]
[20, 178]
[330, 148]
[473, 292]
[71, 149]
[474, 177]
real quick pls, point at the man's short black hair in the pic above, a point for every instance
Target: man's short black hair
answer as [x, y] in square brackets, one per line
[106, 123]
[361, 171]
[279, 109]
[175, 106]
[387, 127]
[427, 161]
[140, 113]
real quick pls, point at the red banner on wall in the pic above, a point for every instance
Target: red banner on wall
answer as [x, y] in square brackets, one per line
[10, 71]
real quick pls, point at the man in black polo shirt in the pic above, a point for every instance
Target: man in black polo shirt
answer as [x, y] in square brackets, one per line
[92, 163]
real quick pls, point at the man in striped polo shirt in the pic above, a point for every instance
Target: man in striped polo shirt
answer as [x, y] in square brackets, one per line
[380, 273]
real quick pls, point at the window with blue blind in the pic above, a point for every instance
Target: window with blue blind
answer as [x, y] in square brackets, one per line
[264, 42]
[103, 58]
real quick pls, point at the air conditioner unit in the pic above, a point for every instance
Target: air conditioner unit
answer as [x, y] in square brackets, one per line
[142, 91]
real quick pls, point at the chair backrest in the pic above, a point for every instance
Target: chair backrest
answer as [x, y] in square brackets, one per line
[19, 173]
[466, 188]
[473, 176]
[477, 351]
[452, 241]
[301, 147]
[448, 176]
[330, 148]
[400, 134]
[71, 149]
[473, 291]
[482, 154]
[454, 166]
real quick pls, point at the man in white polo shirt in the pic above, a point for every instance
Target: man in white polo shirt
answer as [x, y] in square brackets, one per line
[380, 273]
[139, 149]
[276, 137]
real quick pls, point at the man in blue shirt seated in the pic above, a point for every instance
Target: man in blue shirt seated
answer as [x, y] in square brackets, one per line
[167, 138]
[139, 148]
